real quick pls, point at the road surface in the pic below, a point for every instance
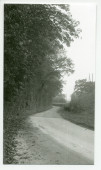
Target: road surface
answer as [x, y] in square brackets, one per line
[50, 139]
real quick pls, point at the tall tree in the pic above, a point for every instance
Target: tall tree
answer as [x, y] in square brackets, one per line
[34, 57]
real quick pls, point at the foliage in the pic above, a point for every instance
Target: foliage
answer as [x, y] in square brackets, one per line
[34, 60]
[83, 97]
[80, 110]
[34, 56]
[59, 99]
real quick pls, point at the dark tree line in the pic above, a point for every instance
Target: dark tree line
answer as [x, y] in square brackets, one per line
[34, 56]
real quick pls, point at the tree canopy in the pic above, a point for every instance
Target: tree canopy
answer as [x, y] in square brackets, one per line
[83, 86]
[34, 55]
[83, 97]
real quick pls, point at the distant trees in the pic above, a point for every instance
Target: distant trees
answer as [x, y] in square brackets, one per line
[34, 56]
[59, 99]
[83, 97]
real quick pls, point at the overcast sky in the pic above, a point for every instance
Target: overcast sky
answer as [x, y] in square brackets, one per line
[82, 50]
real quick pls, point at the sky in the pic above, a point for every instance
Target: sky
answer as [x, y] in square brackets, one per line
[82, 50]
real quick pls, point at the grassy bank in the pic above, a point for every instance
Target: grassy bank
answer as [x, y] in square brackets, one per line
[84, 118]
[13, 122]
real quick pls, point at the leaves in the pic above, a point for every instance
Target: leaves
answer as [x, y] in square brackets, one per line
[84, 96]
[34, 60]
[34, 56]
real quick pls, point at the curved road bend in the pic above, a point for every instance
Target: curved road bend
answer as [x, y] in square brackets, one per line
[54, 140]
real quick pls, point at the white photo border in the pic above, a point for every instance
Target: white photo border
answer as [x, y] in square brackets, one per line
[97, 155]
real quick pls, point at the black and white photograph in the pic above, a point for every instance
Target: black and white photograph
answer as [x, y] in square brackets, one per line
[49, 84]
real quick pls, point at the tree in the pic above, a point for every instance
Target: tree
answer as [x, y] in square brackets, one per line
[59, 99]
[83, 97]
[34, 56]
[83, 86]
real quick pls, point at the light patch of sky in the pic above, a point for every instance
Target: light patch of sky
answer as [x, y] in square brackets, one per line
[82, 50]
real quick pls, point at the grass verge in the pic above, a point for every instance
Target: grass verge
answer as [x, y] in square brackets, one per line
[12, 124]
[84, 118]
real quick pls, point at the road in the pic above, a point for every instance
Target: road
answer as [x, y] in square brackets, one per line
[50, 139]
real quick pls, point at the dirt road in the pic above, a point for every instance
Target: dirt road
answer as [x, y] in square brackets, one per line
[49, 139]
